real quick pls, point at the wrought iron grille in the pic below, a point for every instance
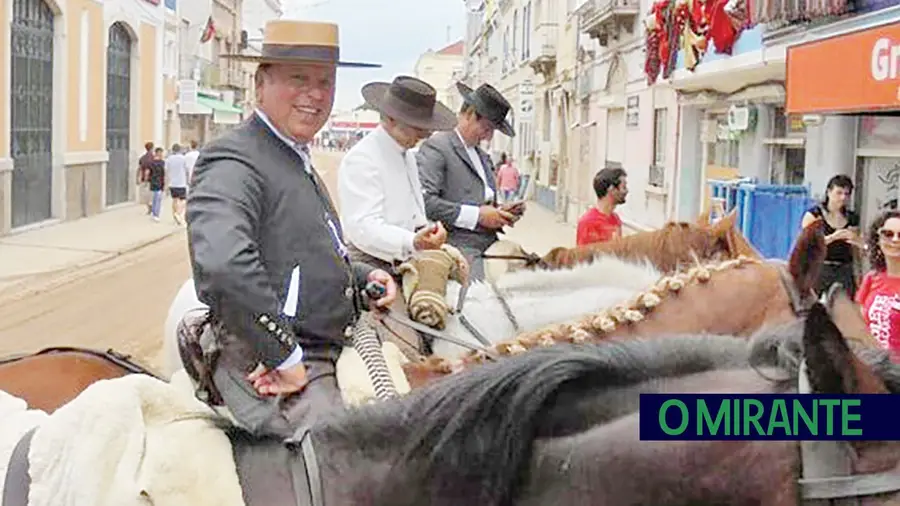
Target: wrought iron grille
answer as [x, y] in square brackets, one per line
[118, 113]
[31, 122]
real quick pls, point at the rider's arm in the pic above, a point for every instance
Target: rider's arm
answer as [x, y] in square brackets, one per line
[223, 219]
[362, 196]
[432, 172]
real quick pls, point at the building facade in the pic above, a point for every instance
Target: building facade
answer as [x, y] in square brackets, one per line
[442, 69]
[81, 91]
[255, 14]
[680, 93]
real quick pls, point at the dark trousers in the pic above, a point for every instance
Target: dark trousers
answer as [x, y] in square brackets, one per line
[278, 416]
[837, 273]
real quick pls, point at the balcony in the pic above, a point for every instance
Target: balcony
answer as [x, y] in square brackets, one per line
[604, 19]
[543, 50]
[198, 69]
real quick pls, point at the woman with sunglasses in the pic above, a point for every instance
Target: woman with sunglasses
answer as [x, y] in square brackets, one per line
[879, 292]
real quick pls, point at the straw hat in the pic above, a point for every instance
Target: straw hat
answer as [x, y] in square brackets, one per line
[410, 101]
[490, 104]
[291, 41]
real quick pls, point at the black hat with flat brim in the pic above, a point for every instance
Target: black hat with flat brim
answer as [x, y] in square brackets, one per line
[489, 104]
[411, 101]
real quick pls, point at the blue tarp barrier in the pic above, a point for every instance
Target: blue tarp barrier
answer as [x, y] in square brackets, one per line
[768, 215]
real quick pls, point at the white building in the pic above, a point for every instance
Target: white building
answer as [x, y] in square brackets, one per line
[442, 69]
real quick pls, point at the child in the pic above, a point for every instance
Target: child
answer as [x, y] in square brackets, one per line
[157, 182]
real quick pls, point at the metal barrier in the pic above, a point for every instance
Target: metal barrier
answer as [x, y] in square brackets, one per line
[768, 215]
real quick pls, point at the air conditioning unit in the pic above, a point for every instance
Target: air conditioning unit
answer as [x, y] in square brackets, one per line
[738, 118]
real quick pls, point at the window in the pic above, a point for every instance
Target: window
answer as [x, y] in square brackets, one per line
[787, 148]
[171, 5]
[526, 32]
[724, 152]
[657, 176]
[515, 36]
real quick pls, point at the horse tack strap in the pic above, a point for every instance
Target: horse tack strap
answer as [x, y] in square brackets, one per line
[17, 484]
[305, 474]
[437, 334]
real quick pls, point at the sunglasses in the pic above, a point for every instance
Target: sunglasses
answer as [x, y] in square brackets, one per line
[889, 235]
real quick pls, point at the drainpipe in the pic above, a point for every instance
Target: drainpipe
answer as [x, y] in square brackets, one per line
[675, 169]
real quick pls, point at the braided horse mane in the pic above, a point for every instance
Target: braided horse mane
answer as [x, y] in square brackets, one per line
[597, 326]
[674, 245]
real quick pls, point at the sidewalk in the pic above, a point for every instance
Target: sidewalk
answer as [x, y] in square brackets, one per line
[86, 241]
[539, 231]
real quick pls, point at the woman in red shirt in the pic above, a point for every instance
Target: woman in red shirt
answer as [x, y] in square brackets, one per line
[879, 292]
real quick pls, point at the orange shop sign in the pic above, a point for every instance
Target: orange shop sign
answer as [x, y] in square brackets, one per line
[856, 72]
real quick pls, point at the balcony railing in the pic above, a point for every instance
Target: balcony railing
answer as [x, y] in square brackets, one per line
[543, 49]
[604, 19]
[199, 69]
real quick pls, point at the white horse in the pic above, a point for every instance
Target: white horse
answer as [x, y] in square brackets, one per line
[534, 298]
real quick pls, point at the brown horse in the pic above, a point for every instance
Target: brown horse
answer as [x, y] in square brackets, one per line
[54, 376]
[734, 297]
[675, 245]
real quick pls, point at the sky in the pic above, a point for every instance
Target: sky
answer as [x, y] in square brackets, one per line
[390, 32]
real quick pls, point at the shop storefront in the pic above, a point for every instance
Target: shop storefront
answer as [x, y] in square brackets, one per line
[854, 77]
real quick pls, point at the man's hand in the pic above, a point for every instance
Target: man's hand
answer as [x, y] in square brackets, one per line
[383, 278]
[515, 208]
[431, 237]
[276, 382]
[493, 219]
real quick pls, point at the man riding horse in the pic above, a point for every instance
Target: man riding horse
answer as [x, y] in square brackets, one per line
[378, 182]
[266, 246]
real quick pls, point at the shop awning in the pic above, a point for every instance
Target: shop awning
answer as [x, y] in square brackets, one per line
[851, 73]
[223, 112]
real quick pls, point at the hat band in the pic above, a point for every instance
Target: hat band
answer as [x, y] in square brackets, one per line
[301, 52]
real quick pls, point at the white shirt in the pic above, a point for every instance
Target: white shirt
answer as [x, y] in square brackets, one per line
[381, 197]
[468, 215]
[190, 159]
[176, 171]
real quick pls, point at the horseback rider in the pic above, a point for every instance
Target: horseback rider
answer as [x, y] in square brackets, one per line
[266, 245]
[458, 176]
[378, 182]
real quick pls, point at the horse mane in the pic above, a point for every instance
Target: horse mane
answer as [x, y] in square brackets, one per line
[667, 248]
[597, 326]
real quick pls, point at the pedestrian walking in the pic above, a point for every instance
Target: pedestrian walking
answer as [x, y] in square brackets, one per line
[507, 179]
[157, 182]
[177, 175]
[190, 159]
[145, 196]
[601, 222]
[458, 176]
[841, 233]
[266, 245]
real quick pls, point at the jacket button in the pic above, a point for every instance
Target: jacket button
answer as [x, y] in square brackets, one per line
[348, 293]
[348, 331]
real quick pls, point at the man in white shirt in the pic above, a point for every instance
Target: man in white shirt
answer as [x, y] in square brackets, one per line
[190, 158]
[177, 175]
[458, 177]
[382, 210]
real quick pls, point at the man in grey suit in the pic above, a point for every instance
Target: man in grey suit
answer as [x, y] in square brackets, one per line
[266, 246]
[458, 176]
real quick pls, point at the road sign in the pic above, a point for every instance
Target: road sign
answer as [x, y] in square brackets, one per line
[526, 89]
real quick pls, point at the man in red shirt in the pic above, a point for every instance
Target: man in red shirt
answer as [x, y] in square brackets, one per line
[600, 223]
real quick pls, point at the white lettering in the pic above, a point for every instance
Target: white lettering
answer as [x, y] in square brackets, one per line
[881, 64]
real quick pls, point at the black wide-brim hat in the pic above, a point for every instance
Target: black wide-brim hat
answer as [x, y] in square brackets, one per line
[411, 101]
[489, 104]
[307, 42]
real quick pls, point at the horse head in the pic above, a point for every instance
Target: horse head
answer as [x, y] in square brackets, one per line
[808, 257]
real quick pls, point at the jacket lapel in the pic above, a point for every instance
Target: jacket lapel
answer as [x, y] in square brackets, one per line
[488, 169]
[462, 153]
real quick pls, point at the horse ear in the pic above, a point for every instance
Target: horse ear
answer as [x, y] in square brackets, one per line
[728, 222]
[704, 218]
[832, 368]
[808, 256]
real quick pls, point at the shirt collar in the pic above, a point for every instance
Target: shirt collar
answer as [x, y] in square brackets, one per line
[463, 141]
[297, 145]
[379, 130]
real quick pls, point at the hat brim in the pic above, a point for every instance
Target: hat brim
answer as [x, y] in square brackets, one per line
[503, 125]
[269, 59]
[442, 118]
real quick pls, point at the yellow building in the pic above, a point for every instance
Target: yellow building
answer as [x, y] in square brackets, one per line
[81, 91]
